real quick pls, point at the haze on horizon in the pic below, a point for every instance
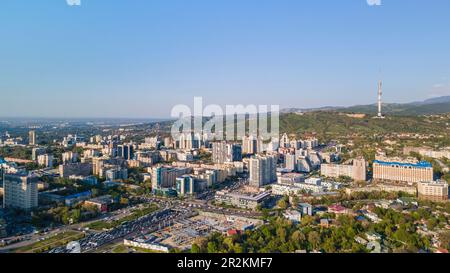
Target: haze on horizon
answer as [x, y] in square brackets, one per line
[117, 58]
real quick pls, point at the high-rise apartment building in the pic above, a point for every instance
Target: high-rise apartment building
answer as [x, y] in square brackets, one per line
[125, 151]
[37, 152]
[97, 165]
[189, 141]
[185, 185]
[69, 157]
[223, 152]
[32, 138]
[20, 191]
[165, 177]
[290, 162]
[45, 160]
[251, 145]
[285, 142]
[357, 171]
[263, 170]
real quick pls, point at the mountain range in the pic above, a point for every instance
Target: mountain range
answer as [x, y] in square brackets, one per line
[438, 105]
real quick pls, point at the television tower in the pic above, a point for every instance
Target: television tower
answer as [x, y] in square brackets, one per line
[380, 93]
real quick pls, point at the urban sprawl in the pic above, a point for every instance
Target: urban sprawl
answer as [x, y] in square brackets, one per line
[133, 188]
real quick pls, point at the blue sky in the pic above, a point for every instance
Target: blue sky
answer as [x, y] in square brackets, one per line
[139, 58]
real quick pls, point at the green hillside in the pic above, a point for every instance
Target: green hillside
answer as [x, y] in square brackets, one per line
[330, 125]
[402, 109]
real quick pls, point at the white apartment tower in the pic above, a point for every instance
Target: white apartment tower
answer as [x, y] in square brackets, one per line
[20, 191]
[32, 138]
[263, 170]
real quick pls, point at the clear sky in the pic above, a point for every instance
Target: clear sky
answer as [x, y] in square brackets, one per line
[138, 58]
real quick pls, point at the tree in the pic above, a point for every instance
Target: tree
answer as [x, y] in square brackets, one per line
[314, 239]
[283, 204]
[195, 249]
[238, 248]
[295, 201]
[212, 247]
[76, 215]
[307, 220]
[124, 201]
[228, 242]
[281, 234]
[329, 245]
[202, 243]
[445, 239]
[65, 216]
[94, 192]
[298, 238]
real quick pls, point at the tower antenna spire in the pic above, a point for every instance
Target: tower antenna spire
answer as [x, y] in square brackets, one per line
[380, 94]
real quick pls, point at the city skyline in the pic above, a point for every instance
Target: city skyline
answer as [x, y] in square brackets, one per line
[110, 59]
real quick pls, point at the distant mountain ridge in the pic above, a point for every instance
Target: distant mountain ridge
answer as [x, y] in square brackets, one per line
[443, 99]
[438, 105]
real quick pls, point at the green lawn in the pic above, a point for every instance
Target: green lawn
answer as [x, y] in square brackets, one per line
[55, 241]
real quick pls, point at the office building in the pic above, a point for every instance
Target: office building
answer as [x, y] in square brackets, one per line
[244, 201]
[189, 185]
[101, 203]
[76, 198]
[78, 169]
[185, 185]
[290, 178]
[296, 189]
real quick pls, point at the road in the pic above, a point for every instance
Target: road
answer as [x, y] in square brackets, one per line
[34, 238]
[172, 210]
[146, 223]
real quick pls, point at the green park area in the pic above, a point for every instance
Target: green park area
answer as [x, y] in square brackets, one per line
[54, 241]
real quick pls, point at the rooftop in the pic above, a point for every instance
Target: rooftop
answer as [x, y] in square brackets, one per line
[421, 164]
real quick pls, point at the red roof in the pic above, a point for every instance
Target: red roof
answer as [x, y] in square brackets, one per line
[442, 250]
[233, 232]
[337, 208]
